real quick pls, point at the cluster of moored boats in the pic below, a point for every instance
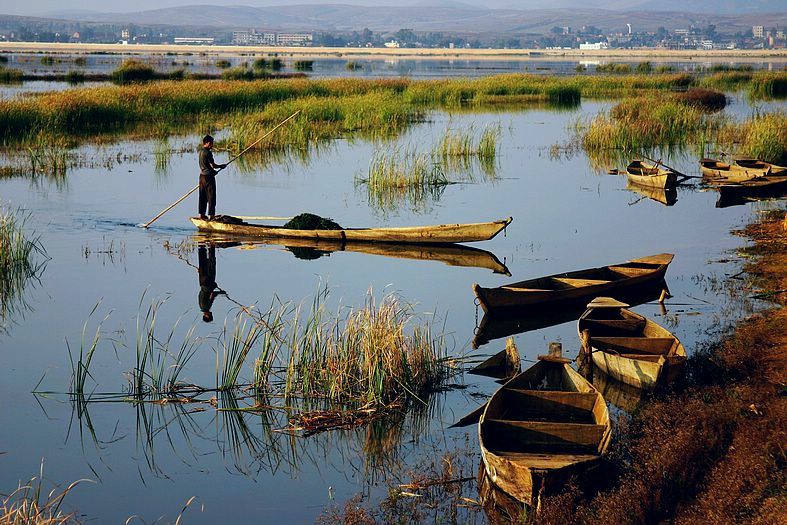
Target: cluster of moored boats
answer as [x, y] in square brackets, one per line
[745, 177]
[550, 422]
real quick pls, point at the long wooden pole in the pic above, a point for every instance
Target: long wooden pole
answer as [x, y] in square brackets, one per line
[233, 159]
[673, 170]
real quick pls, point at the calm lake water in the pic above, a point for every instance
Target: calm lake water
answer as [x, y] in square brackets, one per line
[567, 215]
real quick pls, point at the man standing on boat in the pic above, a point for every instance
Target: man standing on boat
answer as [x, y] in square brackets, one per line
[207, 179]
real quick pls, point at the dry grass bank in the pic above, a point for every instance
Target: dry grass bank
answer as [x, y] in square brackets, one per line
[713, 453]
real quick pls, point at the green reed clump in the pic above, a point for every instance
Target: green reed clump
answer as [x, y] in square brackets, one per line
[641, 123]
[765, 137]
[665, 68]
[352, 65]
[3, 59]
[48, 155]
[10, 75]
[773, 85]
[133, 71]
[22, 259]
[223, 63]
[303, 65]
[729, 81]
[402, 168]
[375, 354]
[80, 61]
[464, 144]
[644, 67]
[724, 68]
[47, 60]
[614, 68]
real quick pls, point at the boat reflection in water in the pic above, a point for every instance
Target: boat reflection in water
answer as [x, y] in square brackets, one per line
[667, 196]
[309, 249]
[516, 321]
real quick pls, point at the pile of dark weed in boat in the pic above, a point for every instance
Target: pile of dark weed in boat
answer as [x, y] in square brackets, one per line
[310, 221]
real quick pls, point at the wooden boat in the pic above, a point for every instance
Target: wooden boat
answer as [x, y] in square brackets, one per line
[438, 234]
[450, 254]
[575, 286]
[750, 163]
[650, 175]
[508, 322]
[667, 196]
[629, 347]
[716, 171]
[754, 188]
[540, 428]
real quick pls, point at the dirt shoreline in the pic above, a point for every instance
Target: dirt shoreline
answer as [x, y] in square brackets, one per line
[713, 452]
[402, 53]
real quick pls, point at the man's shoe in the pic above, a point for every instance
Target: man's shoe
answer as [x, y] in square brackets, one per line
[203, 217]
[211, 217]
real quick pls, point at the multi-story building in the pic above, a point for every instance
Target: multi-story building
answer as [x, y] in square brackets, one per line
[758, 31]
[294, 39]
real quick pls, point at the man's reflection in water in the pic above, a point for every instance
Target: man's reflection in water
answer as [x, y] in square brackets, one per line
[208, 289]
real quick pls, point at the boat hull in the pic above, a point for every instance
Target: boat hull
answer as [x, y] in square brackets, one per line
[438, 234]
[714, 172]
[575, 286]
[568, 433]
[631, 348]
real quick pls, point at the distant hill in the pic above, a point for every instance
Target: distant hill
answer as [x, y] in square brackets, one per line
[447, 15]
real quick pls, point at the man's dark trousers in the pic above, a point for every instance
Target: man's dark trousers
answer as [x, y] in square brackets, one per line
[207, 194]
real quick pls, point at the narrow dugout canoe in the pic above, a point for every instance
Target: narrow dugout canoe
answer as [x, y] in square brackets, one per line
[650, 175]
[438, 234]
[540, 428]
[750, 163]
[716, 171]
[629, 347]
[450, 254]
[577, 285]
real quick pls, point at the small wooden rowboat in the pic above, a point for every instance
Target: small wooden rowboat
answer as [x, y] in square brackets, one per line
[580, 285]
[750, 163]
[650, 175]
[438, 234]
[540, 428]
[629, 347]
[716, 171]
[754, 188]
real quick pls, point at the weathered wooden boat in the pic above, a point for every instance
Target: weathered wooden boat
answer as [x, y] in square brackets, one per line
[715, 171]
[629, 347]
[540, 428]
[577, 285]
[450, 254]
[667, 196]
[437, 234]
[750, 163]
[650, 175]
[755, 188]
[511, 321]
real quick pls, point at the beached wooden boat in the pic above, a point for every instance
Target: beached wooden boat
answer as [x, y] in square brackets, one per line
[540, 428]
[503, 365]
[629, 347]
[667, 196]
[450, 254]
[750, 163]
[650, 175]
[716, 171]
[437, 234]
[575, 286]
